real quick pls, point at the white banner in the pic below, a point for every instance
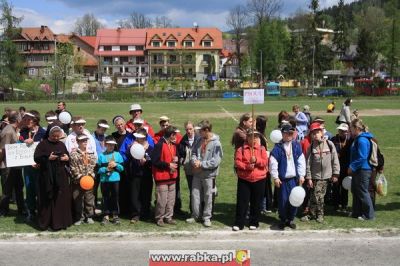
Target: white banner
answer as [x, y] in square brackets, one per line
[255, 96]
[20, 154]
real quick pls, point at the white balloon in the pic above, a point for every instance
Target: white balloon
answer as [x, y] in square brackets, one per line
[297, 196]
[65, 117]
[276, 136]
[346, 183]
[137, 151]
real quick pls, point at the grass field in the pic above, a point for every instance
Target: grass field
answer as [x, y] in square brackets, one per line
[222, 114]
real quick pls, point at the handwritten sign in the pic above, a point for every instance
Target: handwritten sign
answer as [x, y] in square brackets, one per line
[20, 154]
[255, 96]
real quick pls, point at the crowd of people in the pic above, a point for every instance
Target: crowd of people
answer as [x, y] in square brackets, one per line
[307, 155]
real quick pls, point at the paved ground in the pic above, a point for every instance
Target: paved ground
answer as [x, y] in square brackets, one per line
[357, 247]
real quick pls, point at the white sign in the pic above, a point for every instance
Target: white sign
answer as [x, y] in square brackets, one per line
[20, 154]
[255, 96]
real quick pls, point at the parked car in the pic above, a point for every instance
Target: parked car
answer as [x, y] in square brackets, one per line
[334, 92]
[175, 95]
[231, 94]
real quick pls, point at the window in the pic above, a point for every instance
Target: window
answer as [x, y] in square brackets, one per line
[188, 44]
[32, 71]
[46, 72]
[46, 46]
[171, 43]
[124, 80]
[31, 59]
[107, 48]
[172, 58]
[123, 48]
[139, 48]
[120, 70]
[206, 43]
[79, 49]
[156, 44]
[188, 58]
[45, 58]
[206, 57]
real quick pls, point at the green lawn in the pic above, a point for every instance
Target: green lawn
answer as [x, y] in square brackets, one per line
[386, 129]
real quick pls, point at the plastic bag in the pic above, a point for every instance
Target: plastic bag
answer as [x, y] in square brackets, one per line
[381, 185]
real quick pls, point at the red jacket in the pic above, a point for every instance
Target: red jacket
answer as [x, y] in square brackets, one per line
[305, 143]
[130, 127]
[162, 155]
[242, 163]
[160, 134]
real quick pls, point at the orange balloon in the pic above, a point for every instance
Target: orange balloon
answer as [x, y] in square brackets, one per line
[86, 182]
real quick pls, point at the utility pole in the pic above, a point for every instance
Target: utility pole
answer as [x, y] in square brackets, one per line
[393, 57]
[55, 68]
[261, 70]
[313, 62]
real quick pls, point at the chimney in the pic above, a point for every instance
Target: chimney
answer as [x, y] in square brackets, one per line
[42, 28]
[195, 26]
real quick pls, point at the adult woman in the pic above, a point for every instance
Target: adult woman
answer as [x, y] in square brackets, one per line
[301, 122]
[344, 116]
[54, 198]
[361, 171]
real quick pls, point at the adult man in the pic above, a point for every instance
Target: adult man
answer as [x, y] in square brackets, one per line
[301, 122]
[11, 177]
[61, 107]
[136, 112]
[78, 127]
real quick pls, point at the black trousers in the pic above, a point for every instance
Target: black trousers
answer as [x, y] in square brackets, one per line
[340, 195]
[124, 193]
[12, 180]
[252, 192]
[266, 202]
[110, 191]
[140, 190]
[146, 190]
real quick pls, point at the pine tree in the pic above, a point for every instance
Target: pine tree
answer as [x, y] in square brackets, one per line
[366, 53]
[341, 39]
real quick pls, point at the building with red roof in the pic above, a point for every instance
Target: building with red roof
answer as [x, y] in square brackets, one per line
[184, 52]
[85, 60]
[36, 45]
[121, 55]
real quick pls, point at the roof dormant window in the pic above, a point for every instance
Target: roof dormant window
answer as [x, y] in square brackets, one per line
[156, 44]
[188, 44]
[206, 43]
[171, 43]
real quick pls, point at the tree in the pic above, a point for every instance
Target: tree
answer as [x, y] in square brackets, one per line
[11, 64]
[366, 52]
[237, 20]
[162, 22]
[263, 10]
[294, 58]
[87, 25]
[136, 21]
[64, 63]
[340, 38]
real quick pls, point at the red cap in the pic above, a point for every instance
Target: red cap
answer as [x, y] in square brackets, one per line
[315, 126]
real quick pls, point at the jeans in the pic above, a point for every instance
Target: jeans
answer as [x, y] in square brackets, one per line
[362, 203]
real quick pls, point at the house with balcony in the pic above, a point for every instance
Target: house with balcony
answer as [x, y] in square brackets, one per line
[184, 52]
[36, 45]
[121, 56]
[86, 62]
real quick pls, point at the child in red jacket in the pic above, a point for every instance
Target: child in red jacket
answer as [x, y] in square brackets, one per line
[251, 163]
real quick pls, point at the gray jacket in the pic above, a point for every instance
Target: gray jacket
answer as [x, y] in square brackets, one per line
[210, 160]
[325, 167]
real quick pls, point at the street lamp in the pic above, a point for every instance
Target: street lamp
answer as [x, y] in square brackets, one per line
[313, 60]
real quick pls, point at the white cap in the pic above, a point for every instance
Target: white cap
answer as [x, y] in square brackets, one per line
[138, 121]
[164, 118]
[111, 142]
[51, 118]
[139, 136]
[29, 114]
[80, 121]
[343, 126]
[136, 106]
[82, 137]
[103, 125]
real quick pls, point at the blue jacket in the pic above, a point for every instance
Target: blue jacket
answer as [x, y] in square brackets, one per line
[129, 139]
[102, 162]
[360, 152]
[280, 155]
[99, 147]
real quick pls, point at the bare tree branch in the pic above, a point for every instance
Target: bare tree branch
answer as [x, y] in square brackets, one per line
[87, 25]
[136, 21]
[263, 10]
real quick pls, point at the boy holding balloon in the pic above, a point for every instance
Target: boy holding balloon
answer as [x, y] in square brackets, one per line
[82, 165]
[287, 167]
[110, 164]
[322, 164]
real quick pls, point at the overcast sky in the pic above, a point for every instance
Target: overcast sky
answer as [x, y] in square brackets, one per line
[60, 15]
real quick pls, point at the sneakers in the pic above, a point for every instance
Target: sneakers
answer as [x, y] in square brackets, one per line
[235, 228]
[281, 226]
[320, 219]
[305, 218]
[361, 218]
[170, 221]
[291, 224]
[134, 220]
[207, 223]
[252, 227]
[79, 222]
[116, 220]
[89, 221]
[160, 223]
[105, 221]
[191, 220]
